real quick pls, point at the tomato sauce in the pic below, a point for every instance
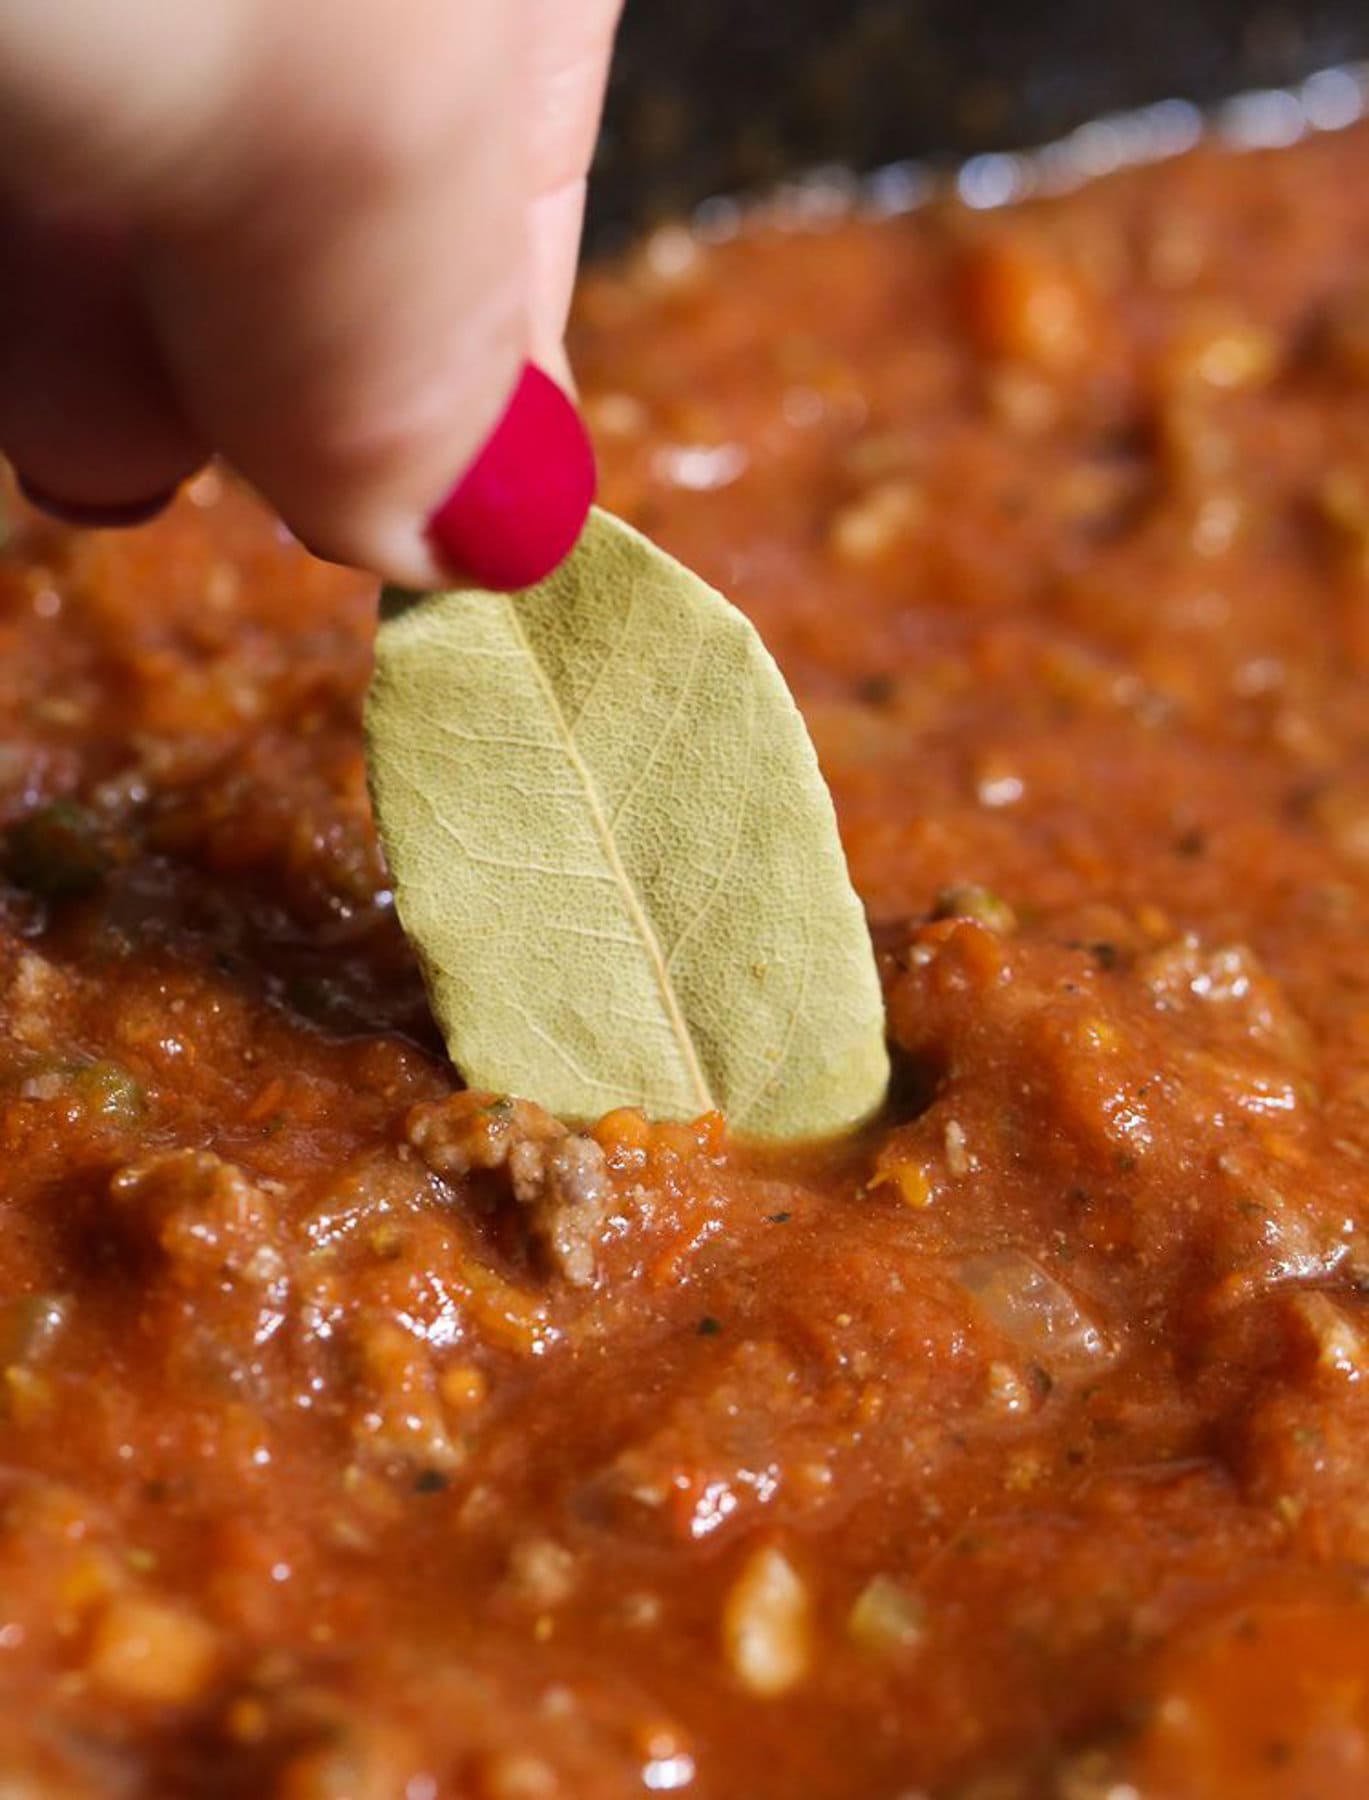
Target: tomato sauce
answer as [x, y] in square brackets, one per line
[361, 1439]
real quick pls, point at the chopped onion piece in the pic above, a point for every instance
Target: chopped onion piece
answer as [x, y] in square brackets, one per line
[1032, 1308]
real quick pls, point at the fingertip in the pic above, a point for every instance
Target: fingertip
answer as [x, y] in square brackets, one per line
[95, 516]
[519, 508]
[89, 420]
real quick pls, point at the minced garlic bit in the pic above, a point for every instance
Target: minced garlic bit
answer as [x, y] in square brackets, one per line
[886, 1616]
[766, 1625]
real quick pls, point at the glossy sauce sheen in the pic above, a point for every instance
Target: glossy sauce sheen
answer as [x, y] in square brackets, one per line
[366, 1441]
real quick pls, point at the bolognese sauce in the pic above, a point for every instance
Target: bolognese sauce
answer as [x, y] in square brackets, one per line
[366, 1439]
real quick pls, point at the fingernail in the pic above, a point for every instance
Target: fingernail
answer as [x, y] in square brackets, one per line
[95, 518]
[521, 505]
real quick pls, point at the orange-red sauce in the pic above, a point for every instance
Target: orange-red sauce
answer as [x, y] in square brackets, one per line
[1016, 1448]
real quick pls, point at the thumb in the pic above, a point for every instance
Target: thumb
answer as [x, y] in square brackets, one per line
[322, 219]
[340, 293]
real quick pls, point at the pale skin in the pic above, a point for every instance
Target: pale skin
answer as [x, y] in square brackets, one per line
[316, 237]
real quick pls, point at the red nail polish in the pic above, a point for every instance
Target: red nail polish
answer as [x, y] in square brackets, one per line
[519, 508]
[95, 518]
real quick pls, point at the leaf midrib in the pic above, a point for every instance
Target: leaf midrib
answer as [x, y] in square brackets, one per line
[637, 913]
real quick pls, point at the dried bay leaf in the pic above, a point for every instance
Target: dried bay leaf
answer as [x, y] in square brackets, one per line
[614, 853]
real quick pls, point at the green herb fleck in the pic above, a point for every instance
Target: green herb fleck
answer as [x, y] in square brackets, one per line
[108, 1090]
[970, 900]
[56, 851]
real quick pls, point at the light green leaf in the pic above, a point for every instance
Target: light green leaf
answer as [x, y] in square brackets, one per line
[614, 853]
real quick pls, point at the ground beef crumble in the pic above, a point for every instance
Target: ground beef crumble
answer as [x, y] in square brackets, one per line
[561, 1177]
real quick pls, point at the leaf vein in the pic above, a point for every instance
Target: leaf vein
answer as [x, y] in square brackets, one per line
[648, 762]
[743, 790]
[610, 655]
[500, 740]
[559, 1050]
[637, 913]
[515, 865]
[795, 1013]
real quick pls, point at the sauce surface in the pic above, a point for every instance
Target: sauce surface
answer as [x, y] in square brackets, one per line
[365, 1440]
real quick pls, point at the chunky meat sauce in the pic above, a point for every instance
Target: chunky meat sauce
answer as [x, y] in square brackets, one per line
[364, 1439]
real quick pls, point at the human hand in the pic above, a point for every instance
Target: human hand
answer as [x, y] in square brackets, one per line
[326, 241]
